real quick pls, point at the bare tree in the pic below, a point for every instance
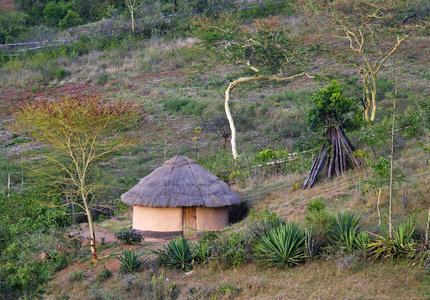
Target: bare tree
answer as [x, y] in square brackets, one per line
[368, 33]
[265, 48]
[132, 6]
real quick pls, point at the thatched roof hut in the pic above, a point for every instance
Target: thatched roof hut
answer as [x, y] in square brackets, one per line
[180, 194]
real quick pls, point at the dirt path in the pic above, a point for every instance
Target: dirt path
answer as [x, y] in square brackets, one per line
[84, 231]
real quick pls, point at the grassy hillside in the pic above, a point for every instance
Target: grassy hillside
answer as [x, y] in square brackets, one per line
[179, 85]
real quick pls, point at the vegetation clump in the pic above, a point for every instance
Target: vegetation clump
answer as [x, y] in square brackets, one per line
[131, 261]
[129, 237]
[282, 246]
[178, 254]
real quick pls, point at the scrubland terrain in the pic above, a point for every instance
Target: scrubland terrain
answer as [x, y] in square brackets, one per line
[178, 85]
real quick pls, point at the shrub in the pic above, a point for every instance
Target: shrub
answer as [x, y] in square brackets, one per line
[104, 274]
[12, 24]
[225, 251]
[347, 233]
[260, 223]
[177, 254]
[28, 262]
[130, 261]
[317, 218]
[281, 246]
[129, 237]
[203, 250]
[318, 222]
[183, 106]
[76, 275]
[230, 251]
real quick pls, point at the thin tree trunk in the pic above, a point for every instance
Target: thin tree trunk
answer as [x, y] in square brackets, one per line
[374, 88]
[224, 144]
[92, 237]
[230, 118]
[90, 225]
[377, 206]
[132, 21]
[390, 225]
[427, 229]
[368, 100]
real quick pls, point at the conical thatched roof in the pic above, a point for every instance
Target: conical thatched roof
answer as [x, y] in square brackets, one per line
[181, 181]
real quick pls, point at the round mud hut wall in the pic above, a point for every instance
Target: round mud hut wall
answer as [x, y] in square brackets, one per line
[180, 196]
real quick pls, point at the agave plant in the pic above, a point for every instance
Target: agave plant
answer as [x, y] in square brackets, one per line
[347, 233]
[402, 244]
[177, 254]
[281, 246]
[130, 261]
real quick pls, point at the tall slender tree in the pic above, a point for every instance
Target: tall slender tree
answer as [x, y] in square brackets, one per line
[81, 132]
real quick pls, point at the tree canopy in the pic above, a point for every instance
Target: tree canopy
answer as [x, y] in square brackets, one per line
[80, 131]
[331, 108]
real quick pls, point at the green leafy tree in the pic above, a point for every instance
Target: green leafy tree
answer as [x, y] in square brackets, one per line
[12, 24]
[265, 47]
[80, 133]
[333, 113]
[61, 14]
[368, 33]
[72, 19]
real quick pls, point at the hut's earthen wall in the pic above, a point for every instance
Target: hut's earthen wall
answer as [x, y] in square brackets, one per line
[167, 221]
[161, 219]
[212, 218]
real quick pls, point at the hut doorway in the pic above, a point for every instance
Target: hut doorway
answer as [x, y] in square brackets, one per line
[189, 219]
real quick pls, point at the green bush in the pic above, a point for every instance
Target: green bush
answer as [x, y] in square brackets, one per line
[28, 261]
[131, 262]
[178, 254]
[129, 237]
[318, 222]
[384, 85]
[76, 275]
[317, 218]
[203, 250]
[281, 246]
[12, 24]
[104, 274]
[260, 223]
[71, 19]
[61, 14]
[183, 106]
[230, 251]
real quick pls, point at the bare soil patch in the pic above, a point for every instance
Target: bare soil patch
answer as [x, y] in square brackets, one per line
[6, 5]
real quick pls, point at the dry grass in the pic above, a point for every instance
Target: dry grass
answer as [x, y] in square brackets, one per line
[316, 280]
[347, 193]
